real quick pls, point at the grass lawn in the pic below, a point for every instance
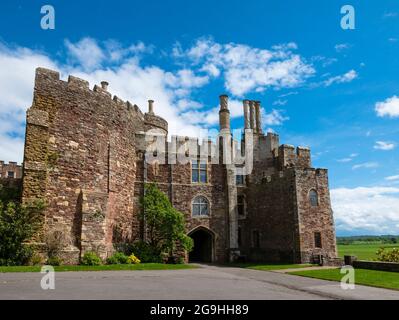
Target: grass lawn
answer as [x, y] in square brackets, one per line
[363, 251]
[112, 267]
[382, 279]
[269, 267]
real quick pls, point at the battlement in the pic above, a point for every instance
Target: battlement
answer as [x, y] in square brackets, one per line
[46, 78]
[289, 156]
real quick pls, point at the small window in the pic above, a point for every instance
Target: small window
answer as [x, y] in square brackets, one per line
[10, 174]
[200, 206]
[313, 197]
[317, 240]
[239, 239]
[199, 172]
[241, 205]
[155, 168]
[255, 239]
[240, 180]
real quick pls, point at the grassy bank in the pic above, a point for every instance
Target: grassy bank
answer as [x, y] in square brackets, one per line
[113, 267]
[363, 251]
[373, 278]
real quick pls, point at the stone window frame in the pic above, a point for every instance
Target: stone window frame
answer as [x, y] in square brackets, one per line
[155, 168]
[244, 216]
[313, 204]
[209, 207]
[240, 183]
[199, 171]
[11, 176]
[318, 240]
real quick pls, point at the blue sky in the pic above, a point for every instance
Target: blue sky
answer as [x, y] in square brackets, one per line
[321, 86]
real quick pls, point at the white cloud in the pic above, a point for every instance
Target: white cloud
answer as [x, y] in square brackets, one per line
[246, 68]
[390, 15]
[366, 165]
[383, 145]
[280, 102]
[348, 159]
[86, 52]
[274, 118]
[345, 78]
[342, 46]
[392, 178]
[389, 107]
[374, 209]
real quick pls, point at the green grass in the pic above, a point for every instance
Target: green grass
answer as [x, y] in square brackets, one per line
[373, 278]
[363, 251]
[269, 267]
[113, 267]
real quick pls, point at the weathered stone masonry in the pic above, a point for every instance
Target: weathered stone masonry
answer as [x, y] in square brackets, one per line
[85, 156]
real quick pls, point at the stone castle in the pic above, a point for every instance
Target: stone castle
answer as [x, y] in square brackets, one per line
[86, 156]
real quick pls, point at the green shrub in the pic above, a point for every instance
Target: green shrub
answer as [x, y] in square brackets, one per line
[390, 255]
[91, 258]
[36, 260]
[118, 258]
[54, 261]
[146, 253]
[18, 224]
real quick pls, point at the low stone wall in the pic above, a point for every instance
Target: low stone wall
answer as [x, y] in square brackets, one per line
[376, 265]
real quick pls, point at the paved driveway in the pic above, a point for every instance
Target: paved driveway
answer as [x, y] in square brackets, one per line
[207, 282]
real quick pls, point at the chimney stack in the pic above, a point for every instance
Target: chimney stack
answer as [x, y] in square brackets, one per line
[104, 85]
[151, 106]
[258, 117]
[224, 113]
[247, 123]
[252, 115]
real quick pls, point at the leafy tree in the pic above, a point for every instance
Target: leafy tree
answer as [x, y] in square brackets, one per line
[165, 225]
[18, 223]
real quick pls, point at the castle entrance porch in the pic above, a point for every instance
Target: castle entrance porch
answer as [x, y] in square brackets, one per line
[203, 245]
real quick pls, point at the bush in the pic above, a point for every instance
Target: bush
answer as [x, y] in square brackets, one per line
[91, 258]
[55, 241]
[54, 261]
[36, 260]
[18, 224]
[132, 259]
[118, 258]
[391, 255]
[146, 253]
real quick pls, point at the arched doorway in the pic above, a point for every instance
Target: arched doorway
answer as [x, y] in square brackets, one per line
[203, 245]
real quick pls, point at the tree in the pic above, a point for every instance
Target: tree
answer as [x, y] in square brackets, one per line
[18, 223]
[165, 225]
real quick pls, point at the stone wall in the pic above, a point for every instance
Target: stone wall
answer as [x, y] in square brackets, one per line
[376, 265]
[80, 158]
[312, 219]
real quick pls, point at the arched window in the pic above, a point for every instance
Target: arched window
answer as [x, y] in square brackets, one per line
[155, 168]
[200, 206]
[241, 205]
[313, 198]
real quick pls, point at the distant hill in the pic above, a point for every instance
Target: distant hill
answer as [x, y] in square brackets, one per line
[368, 239]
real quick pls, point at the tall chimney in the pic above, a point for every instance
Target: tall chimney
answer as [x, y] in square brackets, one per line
[258, 117]
[224, 113]
[151, 106]
[247, 123]
[104, 85]
[252, 115]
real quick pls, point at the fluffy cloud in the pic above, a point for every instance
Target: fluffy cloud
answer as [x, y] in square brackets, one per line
[386, 146]
[389, 107]
[246, 68]
[374, 210]
[345, 78]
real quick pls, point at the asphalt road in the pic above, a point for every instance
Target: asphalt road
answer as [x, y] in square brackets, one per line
[207, 282]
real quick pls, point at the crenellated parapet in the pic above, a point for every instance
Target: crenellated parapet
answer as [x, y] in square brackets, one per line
[290, 157]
